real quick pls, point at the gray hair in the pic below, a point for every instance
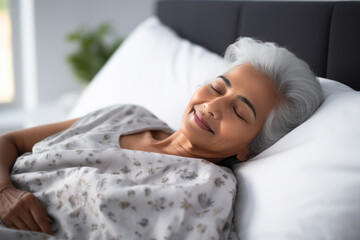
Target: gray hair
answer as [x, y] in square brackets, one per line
[299, 92]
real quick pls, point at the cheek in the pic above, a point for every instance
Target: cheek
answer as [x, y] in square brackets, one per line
[237, 134]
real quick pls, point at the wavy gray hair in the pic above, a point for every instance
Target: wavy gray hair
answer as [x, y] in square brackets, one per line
[299, 92]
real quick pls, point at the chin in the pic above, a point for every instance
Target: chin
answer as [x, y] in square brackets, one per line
[192, 135]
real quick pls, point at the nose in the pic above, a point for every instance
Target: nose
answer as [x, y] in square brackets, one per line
[214, 108]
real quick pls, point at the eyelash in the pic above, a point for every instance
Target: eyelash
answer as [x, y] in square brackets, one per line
[237, 114]
[217, 91]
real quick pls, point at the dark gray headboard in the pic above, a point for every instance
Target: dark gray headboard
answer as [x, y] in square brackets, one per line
[324, 34]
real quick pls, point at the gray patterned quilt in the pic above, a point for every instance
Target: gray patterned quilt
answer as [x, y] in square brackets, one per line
[123, 194]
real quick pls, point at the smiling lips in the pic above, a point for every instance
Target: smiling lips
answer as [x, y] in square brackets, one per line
[202, 123]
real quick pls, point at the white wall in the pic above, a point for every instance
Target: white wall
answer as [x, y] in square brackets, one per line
[51, 21]
[54, 19]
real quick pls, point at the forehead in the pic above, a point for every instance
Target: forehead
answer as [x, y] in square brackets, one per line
[245, 75]
[249, 82]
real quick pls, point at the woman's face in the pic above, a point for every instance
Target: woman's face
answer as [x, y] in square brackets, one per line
[223, 117]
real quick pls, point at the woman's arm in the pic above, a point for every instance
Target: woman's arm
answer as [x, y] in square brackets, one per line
[14, 144]
[20, 209]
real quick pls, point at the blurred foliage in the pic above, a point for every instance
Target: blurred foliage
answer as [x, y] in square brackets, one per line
[94, 48]
[3, 4]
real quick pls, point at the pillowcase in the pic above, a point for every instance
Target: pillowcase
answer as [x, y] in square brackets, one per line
[307, 185]
[154, 68]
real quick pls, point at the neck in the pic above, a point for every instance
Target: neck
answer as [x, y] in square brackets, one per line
[178, 144]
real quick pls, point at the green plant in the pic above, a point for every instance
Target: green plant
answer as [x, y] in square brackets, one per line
[3, 4]
[93, 50]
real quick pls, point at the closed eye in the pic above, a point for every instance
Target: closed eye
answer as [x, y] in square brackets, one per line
[238, 115]
[217, 91]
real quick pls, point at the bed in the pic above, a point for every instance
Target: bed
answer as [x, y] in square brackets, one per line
[307, 185]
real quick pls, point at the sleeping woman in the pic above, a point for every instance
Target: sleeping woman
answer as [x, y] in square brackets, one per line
[66, 170]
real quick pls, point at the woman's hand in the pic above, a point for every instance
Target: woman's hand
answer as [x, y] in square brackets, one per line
[19, 209]
[22, 210]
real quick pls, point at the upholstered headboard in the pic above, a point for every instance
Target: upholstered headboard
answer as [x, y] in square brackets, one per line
[324, 34]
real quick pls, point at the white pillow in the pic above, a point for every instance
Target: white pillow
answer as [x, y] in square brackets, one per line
[307, 185]
[154, 68]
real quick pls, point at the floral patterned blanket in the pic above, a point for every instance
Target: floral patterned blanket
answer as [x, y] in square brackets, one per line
[123, 194]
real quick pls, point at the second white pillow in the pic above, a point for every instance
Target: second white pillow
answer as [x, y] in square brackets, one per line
[306, 186]
[154, 68]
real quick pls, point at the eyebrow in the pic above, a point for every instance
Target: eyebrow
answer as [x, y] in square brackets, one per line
[242, 98]
[227, 82]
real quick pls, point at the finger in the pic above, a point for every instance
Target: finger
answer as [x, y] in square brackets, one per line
[21, 215]
[19, 224]
[13, 218]
[50, 220]
[30, 222]
[40, 216]
[11, 226]
[23, 222]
